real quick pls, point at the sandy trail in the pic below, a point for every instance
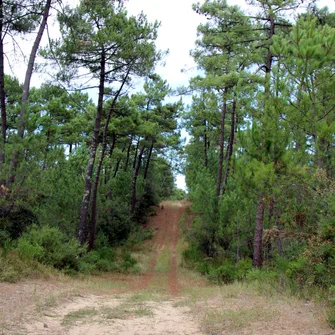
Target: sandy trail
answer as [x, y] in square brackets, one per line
[166, 299]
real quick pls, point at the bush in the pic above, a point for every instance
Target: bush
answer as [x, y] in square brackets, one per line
[128, 262]
[138, 235]
[178, 194]
[86, 268]
[223, 274]
[107, 254]
[50, 246]
[264, 275]
[115, 225]
[13, 268]
[101, 260]
[14, 223]
[242, 267]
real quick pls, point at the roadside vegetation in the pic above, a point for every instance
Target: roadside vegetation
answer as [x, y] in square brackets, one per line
[260, 164]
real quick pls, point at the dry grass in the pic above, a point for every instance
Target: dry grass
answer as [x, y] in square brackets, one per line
[84, 314]
[242, 309]
[163, 260]
[125, 311]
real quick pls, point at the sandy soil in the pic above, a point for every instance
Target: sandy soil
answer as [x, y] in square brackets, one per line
[166, 299]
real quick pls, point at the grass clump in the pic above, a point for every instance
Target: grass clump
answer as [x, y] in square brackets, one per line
[13, 268]
[79, 315]
[126, 310]
[331, 311]
[230, 319]
[163, 261]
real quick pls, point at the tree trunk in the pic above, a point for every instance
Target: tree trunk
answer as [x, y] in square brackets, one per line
[91, 239]
[136, 150]
[230, 147]
[26, 88]
[128, 154]
[220, 167]
[30, 68]
[278, 225]
[102, 156]
[134, 183]
[2, 91]
[258, 237]
[205, 146]
[148, 161]
[89, 171]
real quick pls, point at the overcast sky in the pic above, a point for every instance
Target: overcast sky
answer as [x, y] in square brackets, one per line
[177, 33]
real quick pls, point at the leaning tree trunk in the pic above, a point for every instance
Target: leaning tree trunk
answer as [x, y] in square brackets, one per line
[98, 172]
[26, 87]
[30, 68]
[258, 236]
[2, 91]
[134, 182]
[148, 161]
[89, 171]
[220, 167]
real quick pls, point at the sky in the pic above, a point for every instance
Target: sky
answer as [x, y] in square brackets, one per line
[177, 33]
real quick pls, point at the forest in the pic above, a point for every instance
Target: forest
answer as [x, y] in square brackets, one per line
[78, 178]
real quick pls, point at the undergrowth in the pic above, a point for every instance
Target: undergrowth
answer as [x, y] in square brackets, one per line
[44, 249]
[306, 273]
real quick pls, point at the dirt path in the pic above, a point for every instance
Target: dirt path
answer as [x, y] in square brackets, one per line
[165, 299]
[165, 223]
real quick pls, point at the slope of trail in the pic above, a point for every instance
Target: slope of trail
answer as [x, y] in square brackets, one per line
[165, 299]
[165, 225]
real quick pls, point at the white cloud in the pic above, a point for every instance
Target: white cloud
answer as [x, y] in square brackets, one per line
[177, 33]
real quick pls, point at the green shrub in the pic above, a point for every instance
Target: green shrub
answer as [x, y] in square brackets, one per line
[138, 235]
[107, 253]
[203, 267]
[50, 246]
[223, 274]
[264, 275]
[13, 268]
[105, 265]
[29, 250]
[15, 221]
[128, 262]
[91, 257]
[192, 254]
[86, 268]
[4, 237]
[242, 267]
[101, 260]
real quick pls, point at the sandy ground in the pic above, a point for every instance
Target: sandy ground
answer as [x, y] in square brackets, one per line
[165, 299]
